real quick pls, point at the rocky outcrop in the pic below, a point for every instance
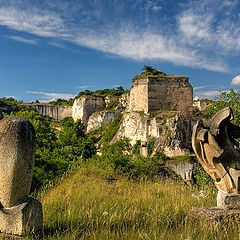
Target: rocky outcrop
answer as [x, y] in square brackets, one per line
[101, 119]
[202, 104]
[184, 169]
[169, 129]
[84, 107]
[55, 112]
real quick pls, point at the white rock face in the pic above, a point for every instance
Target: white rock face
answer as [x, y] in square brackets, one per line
[83, 107]
[169, 129]
[101, 119]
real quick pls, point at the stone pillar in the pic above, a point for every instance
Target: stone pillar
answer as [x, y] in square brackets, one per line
[19, 214]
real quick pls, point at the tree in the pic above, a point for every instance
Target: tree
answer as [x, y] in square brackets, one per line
[224, 99]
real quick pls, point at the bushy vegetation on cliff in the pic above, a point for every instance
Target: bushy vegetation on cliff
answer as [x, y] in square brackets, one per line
[119, 91]
[229, 98]
[62, 102]
[9, 102]
[149, 72]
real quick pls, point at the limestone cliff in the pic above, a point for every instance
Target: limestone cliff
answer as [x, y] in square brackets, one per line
[102, 118]
[55, 112]
[168, 128]
[83, 107]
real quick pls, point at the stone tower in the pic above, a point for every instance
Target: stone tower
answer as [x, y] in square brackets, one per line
[150, 94]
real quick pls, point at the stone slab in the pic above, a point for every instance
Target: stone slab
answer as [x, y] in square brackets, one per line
[228, 200]
[213, 214]
[23, 219]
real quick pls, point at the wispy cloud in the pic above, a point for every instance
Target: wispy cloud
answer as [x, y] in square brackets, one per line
[62, 45]
[236, 80]
[48, 97]
[199, 87]
[83, 87]
[198, 39]
[24, 40]
[207, 94]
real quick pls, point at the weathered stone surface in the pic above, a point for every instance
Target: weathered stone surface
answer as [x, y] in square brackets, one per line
[151, 94]
[184, 169]
[228, 200]
[17, 148]
[170, 130]
[83, 107]
[22, 219]
[55, 112]
[202, 104]
[211, 215]
[101, 119]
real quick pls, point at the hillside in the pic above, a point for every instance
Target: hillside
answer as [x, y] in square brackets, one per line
[85, 206]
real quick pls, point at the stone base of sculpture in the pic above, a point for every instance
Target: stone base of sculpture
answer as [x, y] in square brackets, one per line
[23, 219]
[228, 200]
[212, 215]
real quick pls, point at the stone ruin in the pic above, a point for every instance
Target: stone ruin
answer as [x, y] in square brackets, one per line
[19, 214]
[150, 94]
[217, 147]
[159, 107]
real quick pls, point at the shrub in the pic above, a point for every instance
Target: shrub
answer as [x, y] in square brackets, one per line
[112, 105]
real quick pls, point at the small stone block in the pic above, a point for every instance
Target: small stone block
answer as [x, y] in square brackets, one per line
[23, 219]
[213, 214]
[228, 200]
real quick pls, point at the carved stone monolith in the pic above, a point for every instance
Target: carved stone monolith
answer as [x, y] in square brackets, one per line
[216, 145]
[19, 214]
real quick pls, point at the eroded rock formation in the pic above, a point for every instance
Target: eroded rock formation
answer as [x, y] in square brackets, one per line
[84, 107]
[169, 129]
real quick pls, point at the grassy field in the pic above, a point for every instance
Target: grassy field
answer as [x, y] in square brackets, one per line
[85, 206]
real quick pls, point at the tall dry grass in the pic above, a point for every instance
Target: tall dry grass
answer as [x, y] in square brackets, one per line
[85, 206]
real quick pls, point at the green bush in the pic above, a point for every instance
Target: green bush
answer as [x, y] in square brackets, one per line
[112, 105]
[62, 102]
[119, 91]
[111, 130]
[202, 179]
[55, 155]
[225, 99]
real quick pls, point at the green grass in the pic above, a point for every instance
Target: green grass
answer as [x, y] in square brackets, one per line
[84, 206]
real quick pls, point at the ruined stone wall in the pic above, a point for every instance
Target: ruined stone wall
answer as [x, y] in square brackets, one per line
[55, 112]
[138, 100]
[85, 106]
[168, 92]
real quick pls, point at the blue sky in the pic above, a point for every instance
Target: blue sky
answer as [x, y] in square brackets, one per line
[54, 49]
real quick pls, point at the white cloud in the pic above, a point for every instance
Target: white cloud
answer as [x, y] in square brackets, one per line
[138, 46]
[201, 26]
[48, 97]
[198, 40]
[63, 46]
[83, 87]
[24, 40]
[208, 94]
[236, 80]
[38, 22]
[199, 87]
